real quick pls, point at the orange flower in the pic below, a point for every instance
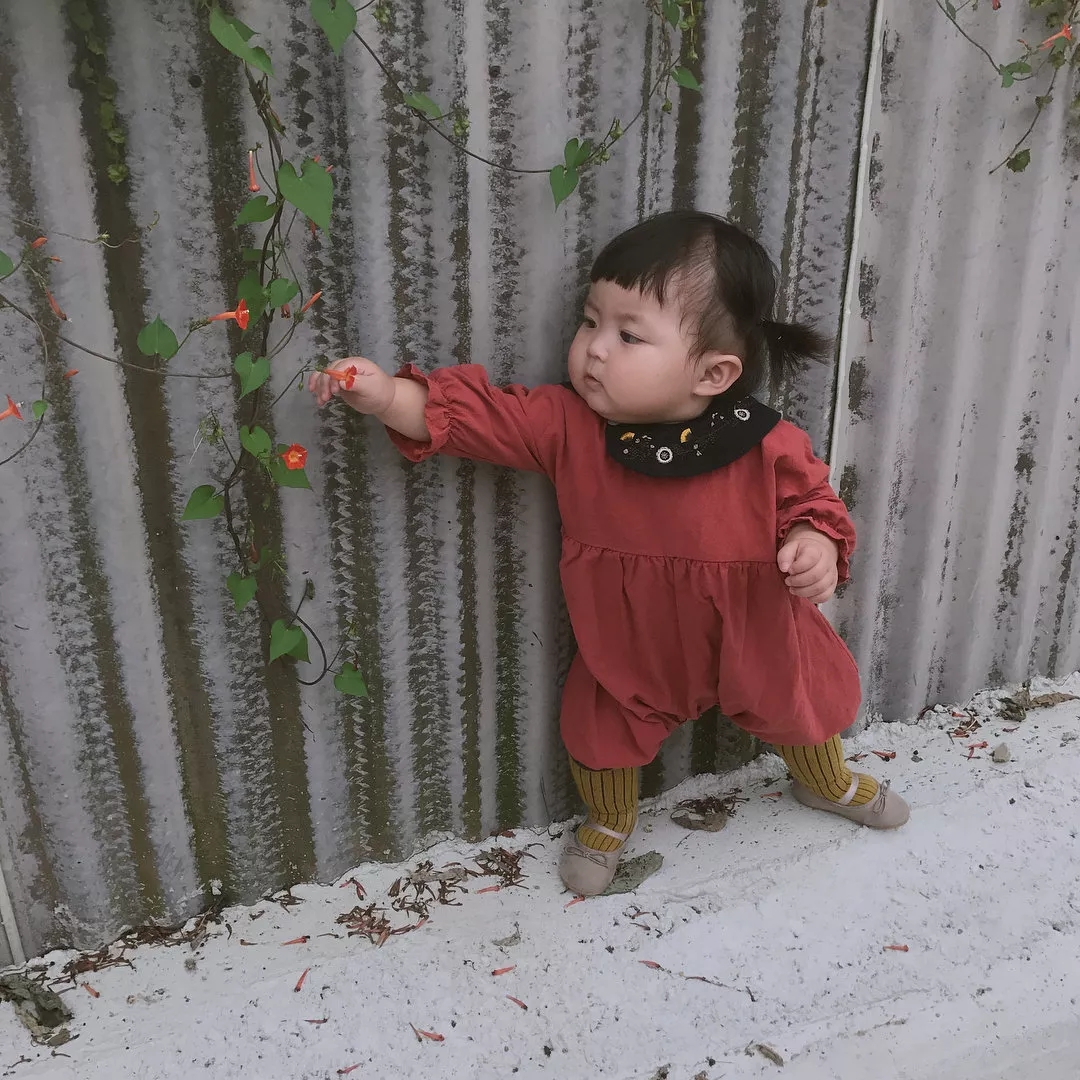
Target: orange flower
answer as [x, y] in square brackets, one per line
[241, 315]
[346, 377]
[55, 258]
[1064, 33]
[71, 373]
[41, 241]
[11, 410]
[57, 310]
[286, 311]
[311, 301]
[253, 184]
[295, 457]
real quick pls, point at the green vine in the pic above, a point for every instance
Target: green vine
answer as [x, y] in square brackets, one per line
[1040, 63]
[286, 195]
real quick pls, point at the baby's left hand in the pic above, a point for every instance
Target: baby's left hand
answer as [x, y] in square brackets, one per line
[808, 558]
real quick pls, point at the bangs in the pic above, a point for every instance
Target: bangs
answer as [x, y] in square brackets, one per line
[649, 257]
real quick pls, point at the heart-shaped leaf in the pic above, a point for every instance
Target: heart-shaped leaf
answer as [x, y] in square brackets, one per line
[252, 373]
[6, 265]
[563, 183]
[203, 503]
[288, 641]
[281, 291]
[252, 293]
[258, 209]
[350, 681]
[685, 79]
[242, 589]
[283, 476]
[311, 192]
[156, 339]
[422, 103]
[1019, 162]
[672, 12]
[234, 36]
[38, 408]
[576, 153]
[337, 19]
[255, 441]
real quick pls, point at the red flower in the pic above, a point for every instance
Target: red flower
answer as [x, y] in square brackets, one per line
[253, 184]
[41, 241]
[11, 410]
[57, 310]
[286, 311]
[311, 301]
[1065, 32]
[71, 372]
[241, 315]
[295, 457]
[347, 377]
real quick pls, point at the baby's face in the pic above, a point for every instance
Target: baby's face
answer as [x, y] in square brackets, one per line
[630, 359]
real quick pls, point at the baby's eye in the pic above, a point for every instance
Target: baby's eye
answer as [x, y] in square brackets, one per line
[629, 338]
[590, 323]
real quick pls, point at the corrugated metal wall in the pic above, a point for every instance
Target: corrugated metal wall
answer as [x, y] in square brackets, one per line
[958, 435]
[145, 747]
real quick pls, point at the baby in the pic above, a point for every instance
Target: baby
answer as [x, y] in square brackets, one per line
[699, 529]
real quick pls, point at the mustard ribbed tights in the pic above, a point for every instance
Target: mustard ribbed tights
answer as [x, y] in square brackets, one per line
[611, 795]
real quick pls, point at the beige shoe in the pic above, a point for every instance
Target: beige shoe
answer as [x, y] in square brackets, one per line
[586, 871]
[886, 810]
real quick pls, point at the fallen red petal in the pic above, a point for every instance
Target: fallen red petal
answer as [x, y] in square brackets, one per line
[57, 310]
[345, 1072]
[651, 964]
[90, 990]
[39, 242]
[576, 900]
[896, 948]
[773, 795]
[885, 755]
[505, 970]
[300, 981]
[322, 1021]
[518, 1002]
[243, 942]
[490, 888]
[71, 373]
[421, 1034]
[302, 940]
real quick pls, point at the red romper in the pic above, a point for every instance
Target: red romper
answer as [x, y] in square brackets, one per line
[672, 586]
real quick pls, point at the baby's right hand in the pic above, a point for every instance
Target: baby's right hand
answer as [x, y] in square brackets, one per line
[358, 382]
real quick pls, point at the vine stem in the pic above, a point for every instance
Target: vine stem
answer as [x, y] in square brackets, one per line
[44, 376]
[6, 301]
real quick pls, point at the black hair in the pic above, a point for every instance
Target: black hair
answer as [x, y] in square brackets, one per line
[727, 287]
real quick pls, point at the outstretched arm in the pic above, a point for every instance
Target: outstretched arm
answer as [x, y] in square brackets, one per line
[365, 387]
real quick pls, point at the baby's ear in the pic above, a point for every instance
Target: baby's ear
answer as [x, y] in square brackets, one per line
[717, 372]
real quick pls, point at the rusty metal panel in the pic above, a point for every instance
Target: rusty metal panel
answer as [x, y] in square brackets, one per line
[146, 749]
[957, 436]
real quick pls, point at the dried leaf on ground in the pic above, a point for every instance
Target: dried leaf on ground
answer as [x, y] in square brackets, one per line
[40, 1009]
[709, 814]
[632, 872]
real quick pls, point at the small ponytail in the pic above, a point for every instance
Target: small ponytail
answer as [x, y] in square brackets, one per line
[790, 345]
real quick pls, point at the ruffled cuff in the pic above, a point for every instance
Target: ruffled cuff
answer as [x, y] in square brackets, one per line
[845, 542]
[436, 416]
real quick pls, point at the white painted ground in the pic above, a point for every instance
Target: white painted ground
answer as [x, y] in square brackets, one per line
[982, 886]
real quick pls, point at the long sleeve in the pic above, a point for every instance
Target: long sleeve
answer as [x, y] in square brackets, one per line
[470, 418]
[804, 494]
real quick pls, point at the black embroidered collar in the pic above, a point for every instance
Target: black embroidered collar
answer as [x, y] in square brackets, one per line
[722, 434]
